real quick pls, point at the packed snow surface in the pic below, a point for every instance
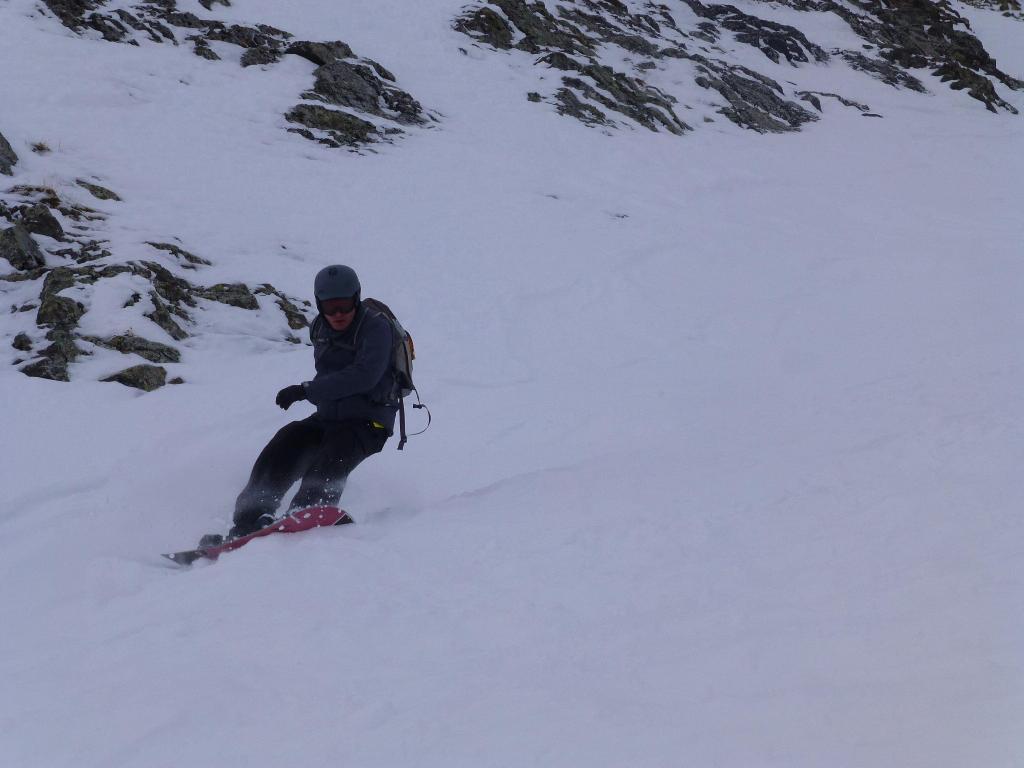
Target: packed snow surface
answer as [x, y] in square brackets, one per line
[725, 466]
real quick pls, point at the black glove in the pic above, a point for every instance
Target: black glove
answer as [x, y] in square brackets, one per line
[289, 395]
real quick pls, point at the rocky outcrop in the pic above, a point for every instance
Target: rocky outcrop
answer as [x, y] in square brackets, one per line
[19, 249]
[67, 280]
[774, 40]
[40, 221]
[100, 193]
[8, 157]
[364, 103]
[144, 377]
[130, 344]
[924, 35]
[591, 91]
[586, 36]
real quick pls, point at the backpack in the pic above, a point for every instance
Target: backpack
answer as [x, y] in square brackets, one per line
[403, 352]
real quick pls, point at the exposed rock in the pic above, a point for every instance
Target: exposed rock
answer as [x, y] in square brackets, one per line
[599, 89]
[615, 91]
[261, 36]
[101, 193]
[55, 358]
[488, 26]
[59, 312]
[812, 97]
[343, 79]
[144, 377]
[202, 49]
[883, 70]
[161, 315]
[320, 53]
[357, 86]
[918, 34]
[341, 128]
[84, 252]
[22, 343]
[754, 100]
[173, 289]
[8, 157]
[260, 55]
[296, 317]
[40, 221]
[235, 295]
[181, 253]
[771, 38]
[46, 368]
[208, 4]
[18, 247]
[130, 344]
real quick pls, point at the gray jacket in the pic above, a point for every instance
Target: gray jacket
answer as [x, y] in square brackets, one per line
[354, 379]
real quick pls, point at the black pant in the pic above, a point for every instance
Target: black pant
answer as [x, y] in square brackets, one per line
[321, 453]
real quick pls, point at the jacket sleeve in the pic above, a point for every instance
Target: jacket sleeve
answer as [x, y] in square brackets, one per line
[373, 355]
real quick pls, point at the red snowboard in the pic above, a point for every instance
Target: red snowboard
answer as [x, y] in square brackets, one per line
[301, 520]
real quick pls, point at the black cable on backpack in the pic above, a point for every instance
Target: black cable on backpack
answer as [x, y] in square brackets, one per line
[401, 419]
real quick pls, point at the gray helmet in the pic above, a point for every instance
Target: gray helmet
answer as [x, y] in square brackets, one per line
[336, 282]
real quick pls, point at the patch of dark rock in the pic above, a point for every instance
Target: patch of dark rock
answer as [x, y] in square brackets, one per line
[771, 38]
[186, 20]
[260, 56]
[130, 344]
[754, 100]
[813, 97]
[83, 253]
[203, 50]
[144, 377]
[132, 300]
[568, 103]
[176, 380]
[533, 96]
[40, 221]
[190, 259]
[168, 286]
[46, 368]
[235, 295]
[22, 343]
[978, 86]
[152, 28]
[629, 96]
[320, 53]
[260, 36]
[344, 130]
[296, 317]
[608, 32]
[100, 193]
[59, 312]
[488, 26]
[918, 34]
[55, 358]
[883, 70]
[19, 249]
[208, 4]
[357, 86]
[161, 315]
[34, 193]
[8, 157]
[543, 31]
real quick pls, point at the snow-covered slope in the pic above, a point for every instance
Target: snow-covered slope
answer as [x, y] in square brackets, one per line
[724, 467]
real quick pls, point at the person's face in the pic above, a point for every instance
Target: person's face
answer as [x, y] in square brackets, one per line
[339, 313]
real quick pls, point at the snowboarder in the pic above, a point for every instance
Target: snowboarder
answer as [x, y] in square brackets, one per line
[354, 394]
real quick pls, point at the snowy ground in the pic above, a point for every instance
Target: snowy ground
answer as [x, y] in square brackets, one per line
[725, 462]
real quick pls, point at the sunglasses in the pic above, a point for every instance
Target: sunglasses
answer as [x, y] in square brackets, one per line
[337, 306]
